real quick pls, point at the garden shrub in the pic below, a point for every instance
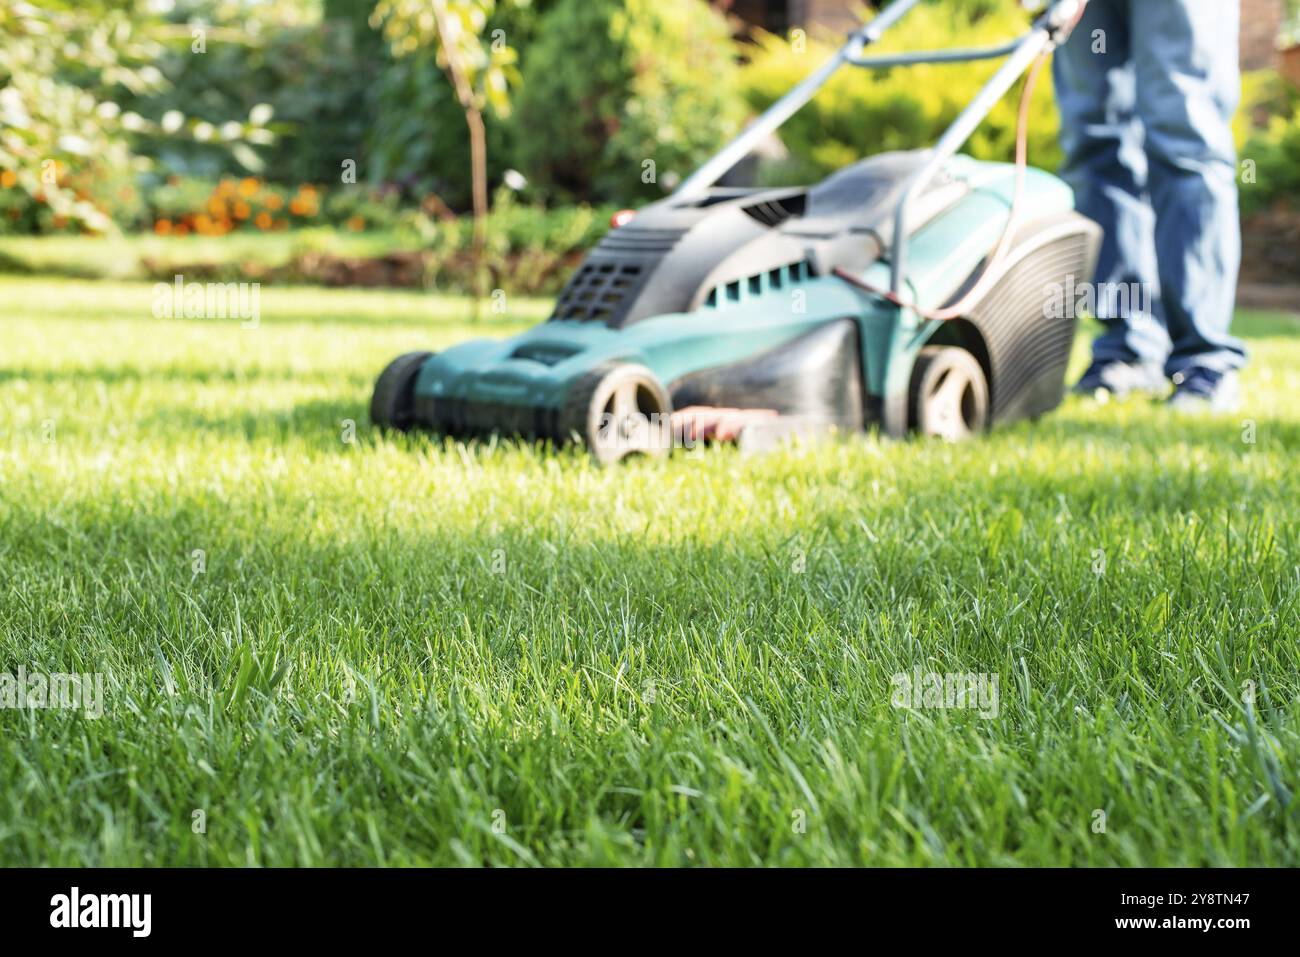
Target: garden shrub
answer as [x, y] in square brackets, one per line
[530, 249]
[312, 73]
[185, 205]
[611, 86]
[864, 112]
[1268, 135]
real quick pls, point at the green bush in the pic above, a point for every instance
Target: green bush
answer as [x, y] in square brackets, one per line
[863, 112]
[66, 142]
[531, 249]
[313, 72]
[418, 137]
[182, 205]
[1268, 136]
[1276, 153]
[618, 96]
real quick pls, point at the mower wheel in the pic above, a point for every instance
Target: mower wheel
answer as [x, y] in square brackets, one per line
[393, 404]
[619, 410]
[949, 394]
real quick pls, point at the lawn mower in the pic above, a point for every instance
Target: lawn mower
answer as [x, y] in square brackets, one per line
[907, 291]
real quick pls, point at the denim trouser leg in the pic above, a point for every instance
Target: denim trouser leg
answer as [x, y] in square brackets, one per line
[1096, 90]
[1146, 89]
[1188, 85]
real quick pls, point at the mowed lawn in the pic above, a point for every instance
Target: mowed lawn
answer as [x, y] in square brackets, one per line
[410, 651]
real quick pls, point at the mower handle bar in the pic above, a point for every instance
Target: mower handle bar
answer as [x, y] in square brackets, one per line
[1049, 30]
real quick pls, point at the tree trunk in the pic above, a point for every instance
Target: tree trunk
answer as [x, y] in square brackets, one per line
[477, 146]
[478, 172]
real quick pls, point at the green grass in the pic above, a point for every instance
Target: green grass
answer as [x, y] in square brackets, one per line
[406, 651]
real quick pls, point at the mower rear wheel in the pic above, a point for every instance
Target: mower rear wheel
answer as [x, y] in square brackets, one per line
[949, 394]
[619, 410]
[393, 404]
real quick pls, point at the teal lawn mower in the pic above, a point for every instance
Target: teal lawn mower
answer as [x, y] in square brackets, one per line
[908, 291]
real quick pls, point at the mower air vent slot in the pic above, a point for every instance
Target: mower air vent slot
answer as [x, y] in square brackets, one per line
[738, 290]
[630, 239]
[774, 212]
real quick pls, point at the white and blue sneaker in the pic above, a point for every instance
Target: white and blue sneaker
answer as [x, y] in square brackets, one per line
[1198, 389]
[1110, 377]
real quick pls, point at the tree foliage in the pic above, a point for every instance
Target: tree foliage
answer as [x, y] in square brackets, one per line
[66, 68]
[863, 112]
[490, 62]
[621, 96]
[312, 67]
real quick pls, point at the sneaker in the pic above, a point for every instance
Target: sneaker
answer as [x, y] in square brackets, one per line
[1114, 378]
[1203, 390]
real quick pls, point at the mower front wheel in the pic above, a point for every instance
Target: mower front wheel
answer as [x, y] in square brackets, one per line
[619, 410]
[393, 404]
[949, 394]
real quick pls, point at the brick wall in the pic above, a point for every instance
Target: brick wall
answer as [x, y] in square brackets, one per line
[1260, 22]
[837, 16]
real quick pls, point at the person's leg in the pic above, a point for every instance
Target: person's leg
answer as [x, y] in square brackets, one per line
[1104, 163]
[1188, 85]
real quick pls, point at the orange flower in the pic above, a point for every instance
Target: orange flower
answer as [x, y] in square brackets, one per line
[263, 220]
[241, 210]
[181, 230]
[248, 187]
[356, 223]
[8, 178]
[274, 202]
[216, 207]
[297, 206]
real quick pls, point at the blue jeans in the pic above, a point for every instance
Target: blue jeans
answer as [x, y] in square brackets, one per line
[1147, 90]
